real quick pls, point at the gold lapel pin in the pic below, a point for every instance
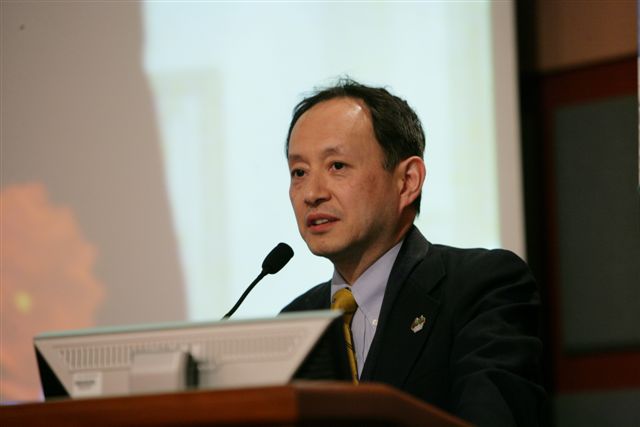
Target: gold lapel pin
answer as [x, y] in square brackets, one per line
[418, 324]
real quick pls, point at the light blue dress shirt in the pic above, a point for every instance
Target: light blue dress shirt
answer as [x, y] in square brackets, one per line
[368, 291]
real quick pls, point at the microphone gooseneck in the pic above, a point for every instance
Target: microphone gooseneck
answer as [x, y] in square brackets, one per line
[274, 261]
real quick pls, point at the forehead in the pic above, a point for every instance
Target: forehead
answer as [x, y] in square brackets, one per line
[340, 122]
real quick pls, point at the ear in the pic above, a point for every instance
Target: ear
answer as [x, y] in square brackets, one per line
[412, 173]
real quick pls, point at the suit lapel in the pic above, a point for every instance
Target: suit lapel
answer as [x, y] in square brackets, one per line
[396, 345]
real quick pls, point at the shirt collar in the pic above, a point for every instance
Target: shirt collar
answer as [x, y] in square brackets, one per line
[368, 289]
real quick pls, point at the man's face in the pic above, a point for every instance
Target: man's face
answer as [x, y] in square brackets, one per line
[346, 204]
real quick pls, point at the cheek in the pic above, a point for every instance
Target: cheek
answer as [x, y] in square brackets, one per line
[296, 203]
[293, 195]
[379, 193]
[372, 187]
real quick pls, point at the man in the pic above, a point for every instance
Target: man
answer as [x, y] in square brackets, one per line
[454, 327]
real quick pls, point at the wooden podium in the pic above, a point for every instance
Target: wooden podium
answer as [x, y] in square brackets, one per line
[299, 404]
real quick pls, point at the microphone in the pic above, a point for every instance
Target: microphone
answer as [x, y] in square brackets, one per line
[277, 258]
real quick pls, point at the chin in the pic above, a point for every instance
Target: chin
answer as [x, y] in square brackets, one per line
[323, 249]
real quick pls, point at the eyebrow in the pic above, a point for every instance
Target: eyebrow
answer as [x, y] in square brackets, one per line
[329, 151]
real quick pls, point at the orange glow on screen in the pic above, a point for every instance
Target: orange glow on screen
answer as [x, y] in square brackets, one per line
[47, 282]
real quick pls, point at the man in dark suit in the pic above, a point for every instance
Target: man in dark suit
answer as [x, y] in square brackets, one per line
[454, 327]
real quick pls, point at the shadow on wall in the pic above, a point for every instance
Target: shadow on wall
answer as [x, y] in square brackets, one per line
[82, 180]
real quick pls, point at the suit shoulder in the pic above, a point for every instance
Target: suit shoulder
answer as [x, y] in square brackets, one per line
[476, 274]
[315, 298]
[475, 260]
[483, 279]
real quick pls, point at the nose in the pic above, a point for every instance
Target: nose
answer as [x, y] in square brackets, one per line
[316, 190]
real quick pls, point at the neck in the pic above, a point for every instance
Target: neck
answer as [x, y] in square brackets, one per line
[352, 265]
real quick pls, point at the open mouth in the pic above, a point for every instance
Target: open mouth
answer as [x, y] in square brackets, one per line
[319, 221]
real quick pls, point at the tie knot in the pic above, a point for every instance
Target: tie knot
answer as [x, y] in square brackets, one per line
[344, 300]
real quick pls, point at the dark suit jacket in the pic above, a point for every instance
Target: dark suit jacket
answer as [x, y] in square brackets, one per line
[478, 354]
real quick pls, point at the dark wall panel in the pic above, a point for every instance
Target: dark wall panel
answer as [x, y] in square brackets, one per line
[598, 217]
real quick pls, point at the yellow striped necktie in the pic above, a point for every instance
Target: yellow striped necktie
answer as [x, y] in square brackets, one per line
[344, 300]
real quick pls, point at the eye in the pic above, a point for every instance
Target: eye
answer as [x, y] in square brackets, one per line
[338, 165]
[297, 173]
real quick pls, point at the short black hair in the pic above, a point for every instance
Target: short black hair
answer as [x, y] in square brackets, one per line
[396, 126]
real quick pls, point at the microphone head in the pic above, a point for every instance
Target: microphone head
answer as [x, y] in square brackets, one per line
[277, 258]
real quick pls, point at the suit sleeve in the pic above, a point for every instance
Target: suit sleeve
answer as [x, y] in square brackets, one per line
[496, 351]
